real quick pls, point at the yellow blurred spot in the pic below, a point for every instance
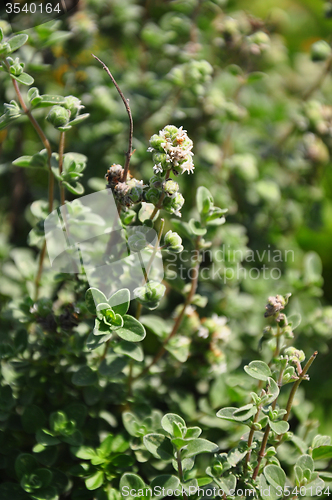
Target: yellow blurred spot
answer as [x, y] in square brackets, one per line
[3, 135]
[59, 72]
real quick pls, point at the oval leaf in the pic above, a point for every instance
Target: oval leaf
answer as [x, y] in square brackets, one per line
[258, 370]
[132, 329]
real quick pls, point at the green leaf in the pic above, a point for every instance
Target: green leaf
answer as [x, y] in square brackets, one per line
[306, 462]
[113, 364]
[226, 483]
[84, 452]
[24, 78]
[320, 440]
[129, 349]
[237, 414]
[105, 448]
[235, 456]
[195, 227]
[156, 324]
[146, 211]
[25, 464]
[132, 330]
[120, 301]
[94, 341]
[245, 412]
[79, 119]
[33, 419]
[204, 200]
[179, 346]
[275, 475]
[168, 420]
[279, 427]
[46, 438]
[47, 100]
[84, 376]
[95, 481]
[268, 491]
[322, 453]
[255, 76]
[258, 370]
[159, 445]
[76, 412]
[11, 491]
[23, 161]
[197, 446]
[272, 391]
[75, 187]
[165, 482]
[130, 482]
[48, 493]
[93, 296]
[45, 476]
[16, 41]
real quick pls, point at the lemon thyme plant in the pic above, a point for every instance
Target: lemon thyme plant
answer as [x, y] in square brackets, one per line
[88, 406]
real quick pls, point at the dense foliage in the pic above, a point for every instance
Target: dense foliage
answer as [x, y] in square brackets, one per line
[175, 383]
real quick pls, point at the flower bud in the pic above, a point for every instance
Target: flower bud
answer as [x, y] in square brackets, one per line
[150, 294]
[4, 49]
[73, 104]
[295, 354]
[152, 196]
[156, 142]
[320, 51]
[173, 205]
[170, 187]
[173, 241]
[58, 116]
[136, 189]
[16, 68]
[156, 182]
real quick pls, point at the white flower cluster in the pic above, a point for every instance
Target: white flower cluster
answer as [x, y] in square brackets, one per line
[172, 150]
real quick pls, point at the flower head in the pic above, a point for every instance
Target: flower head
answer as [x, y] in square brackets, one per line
[172, 150]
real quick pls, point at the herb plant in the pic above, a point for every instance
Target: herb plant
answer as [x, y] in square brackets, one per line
[178, 387]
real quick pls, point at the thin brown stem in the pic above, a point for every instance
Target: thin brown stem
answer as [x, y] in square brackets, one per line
[296, 385]
[129, 152]
[177, 321]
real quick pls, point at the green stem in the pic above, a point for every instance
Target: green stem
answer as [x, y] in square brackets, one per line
[180, 471]
[161, 199]
[250, 440]
[177, 321]
[61, 151]
[47, 146]
[148, 267]
[267, 431]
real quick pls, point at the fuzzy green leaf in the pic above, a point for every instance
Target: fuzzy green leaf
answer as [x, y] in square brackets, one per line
[322, 453]
[129, 349]
[132, 330]
[275, 475]
[16, 41]
[258, 370]
[84, 376]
